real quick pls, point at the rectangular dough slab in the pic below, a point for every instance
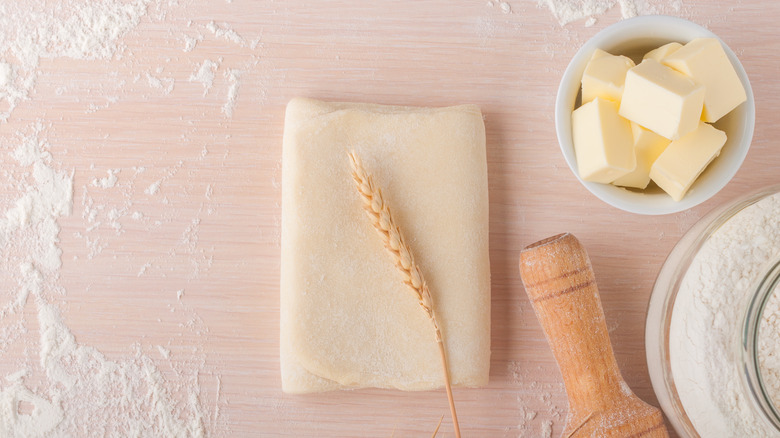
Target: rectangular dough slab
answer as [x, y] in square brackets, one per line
[347, 320]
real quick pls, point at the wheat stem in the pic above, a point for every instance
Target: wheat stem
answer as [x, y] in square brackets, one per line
[436, 431]
[377, 210]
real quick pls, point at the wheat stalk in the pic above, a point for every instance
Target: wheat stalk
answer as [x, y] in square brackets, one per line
[377, 210]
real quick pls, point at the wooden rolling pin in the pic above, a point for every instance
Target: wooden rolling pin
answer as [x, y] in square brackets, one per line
[559, 280]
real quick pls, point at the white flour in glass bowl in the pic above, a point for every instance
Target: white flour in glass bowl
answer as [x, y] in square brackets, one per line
[706, 325]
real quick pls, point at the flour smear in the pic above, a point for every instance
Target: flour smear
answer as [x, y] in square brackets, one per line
[567, 11]
[78, 30]
[59, 387]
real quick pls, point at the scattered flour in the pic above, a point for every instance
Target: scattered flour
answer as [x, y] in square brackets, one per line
[58, 386]
[44, 416]
[143, 269]
[205, 75]
[191, 42]
[164, 352]
[505, 7]
[542, 395]
[226, 33]
[101, 397]
[84, 393]
[6, 74]
[92, 108]
[78, 29]
[526, 417]
[153, 188]
[233, 76]
[164, 84]
[567, 11]
[108, 181]
[706, 321]
[547, 429]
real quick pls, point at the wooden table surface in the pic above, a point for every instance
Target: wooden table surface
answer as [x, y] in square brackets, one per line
[199, 271]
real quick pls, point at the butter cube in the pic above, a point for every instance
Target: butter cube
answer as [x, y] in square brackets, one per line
[685, 159]
[647, 147]
[662, 99]
[603, 141]
[705, 61]
[604, 76]
[662, 52]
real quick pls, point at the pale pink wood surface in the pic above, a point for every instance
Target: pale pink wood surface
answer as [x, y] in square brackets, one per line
[412, 53]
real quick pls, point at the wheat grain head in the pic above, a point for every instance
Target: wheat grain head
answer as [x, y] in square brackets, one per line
[377, 210]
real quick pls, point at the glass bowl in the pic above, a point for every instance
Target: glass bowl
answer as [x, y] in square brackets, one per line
[661, 310]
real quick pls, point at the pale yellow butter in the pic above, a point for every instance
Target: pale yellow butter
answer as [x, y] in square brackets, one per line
[705, 61]
[662, 99]
[647, 147]
[662, 52]
[685, 159]
[604, 76]
[603, 141]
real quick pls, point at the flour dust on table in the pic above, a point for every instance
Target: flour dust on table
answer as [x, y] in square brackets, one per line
[567, 11]
[84, 392]
[58, 386]
[79, 29]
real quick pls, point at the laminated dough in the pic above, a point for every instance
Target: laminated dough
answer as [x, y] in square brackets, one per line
[347, 319]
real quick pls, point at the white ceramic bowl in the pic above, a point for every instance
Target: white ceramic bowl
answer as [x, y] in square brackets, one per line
[635, 37]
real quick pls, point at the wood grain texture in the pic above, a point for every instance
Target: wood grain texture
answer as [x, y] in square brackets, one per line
[559, 281]
[432, 53]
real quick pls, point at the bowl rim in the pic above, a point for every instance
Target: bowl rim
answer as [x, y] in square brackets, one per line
[659, 27]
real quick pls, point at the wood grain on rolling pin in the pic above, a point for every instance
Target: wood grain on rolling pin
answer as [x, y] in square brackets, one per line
[559, 280]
